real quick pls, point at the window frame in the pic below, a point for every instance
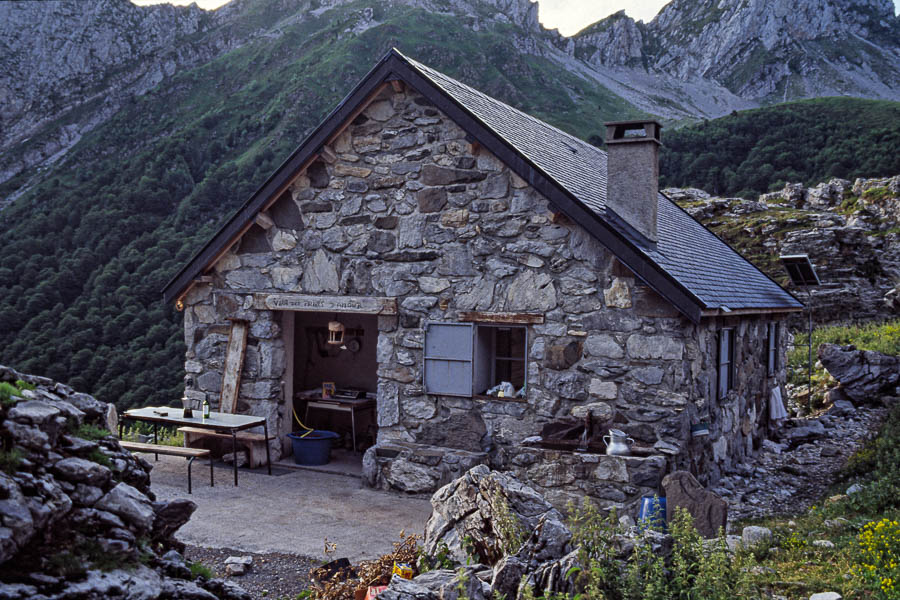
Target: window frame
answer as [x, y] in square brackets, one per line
[481, 358]
[728, 365]
[492, 356]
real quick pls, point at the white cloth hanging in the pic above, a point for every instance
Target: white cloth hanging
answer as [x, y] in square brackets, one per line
[776, 405]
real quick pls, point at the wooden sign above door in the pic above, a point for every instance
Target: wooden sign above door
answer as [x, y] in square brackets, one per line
[338, 304]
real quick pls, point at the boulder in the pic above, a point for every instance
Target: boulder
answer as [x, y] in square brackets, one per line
[554, 577]
[79, 470]
[238, 565]
[404, 589]
[864, 375]
[803, 430]
[482, 511]
[709, 511]
[753, 536]
[168, 518]
[507, 576]
[129, 504]
[841, 406]
[445, 584]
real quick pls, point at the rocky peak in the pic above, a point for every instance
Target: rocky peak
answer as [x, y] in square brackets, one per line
[760, 48]
[54, 52]
[617, 40]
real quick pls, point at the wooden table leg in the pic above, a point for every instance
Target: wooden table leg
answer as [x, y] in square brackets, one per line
[266, 433]
[353, 426]
[234, 453]
[155, 438]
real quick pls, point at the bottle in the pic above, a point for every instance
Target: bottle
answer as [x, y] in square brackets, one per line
[206, 409]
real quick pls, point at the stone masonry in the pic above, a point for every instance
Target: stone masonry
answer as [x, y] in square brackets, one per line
[410, 209]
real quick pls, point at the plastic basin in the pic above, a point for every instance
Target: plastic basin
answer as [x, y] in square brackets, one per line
[314, 449]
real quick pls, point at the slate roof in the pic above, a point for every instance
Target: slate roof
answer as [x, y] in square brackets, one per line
[703, 264]
[689, 265]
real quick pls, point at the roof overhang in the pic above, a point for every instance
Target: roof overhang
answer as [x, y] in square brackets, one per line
[721, 312]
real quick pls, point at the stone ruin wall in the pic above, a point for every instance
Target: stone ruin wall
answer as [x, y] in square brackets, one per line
[411, 210]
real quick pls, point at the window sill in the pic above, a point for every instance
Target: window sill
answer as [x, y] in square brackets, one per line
[486, 398]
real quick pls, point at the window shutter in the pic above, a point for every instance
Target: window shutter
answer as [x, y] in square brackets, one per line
[731, 359]
[448, 359]
[725, 363]
[773, 348]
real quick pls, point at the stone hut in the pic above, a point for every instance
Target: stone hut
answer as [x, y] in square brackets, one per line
[499, 292]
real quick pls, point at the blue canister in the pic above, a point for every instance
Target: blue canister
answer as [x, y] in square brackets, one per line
[653, 513]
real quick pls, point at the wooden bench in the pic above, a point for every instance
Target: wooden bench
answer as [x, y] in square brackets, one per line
[255, 443]
[189, 453]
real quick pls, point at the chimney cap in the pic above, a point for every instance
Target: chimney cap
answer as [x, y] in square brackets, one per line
[616, 131]
[636, 123]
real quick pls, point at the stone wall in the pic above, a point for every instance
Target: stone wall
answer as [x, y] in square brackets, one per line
[410, 209]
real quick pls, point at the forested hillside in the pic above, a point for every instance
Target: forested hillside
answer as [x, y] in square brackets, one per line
[85, 253]
[755, 151]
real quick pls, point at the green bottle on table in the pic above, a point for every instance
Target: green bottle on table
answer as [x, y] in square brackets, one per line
[206, 409]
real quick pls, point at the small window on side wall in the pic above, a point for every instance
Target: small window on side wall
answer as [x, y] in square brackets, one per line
[772, 349]
[725, 362]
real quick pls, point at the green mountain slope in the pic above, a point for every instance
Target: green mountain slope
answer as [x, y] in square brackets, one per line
[84, 254]
[756, 151]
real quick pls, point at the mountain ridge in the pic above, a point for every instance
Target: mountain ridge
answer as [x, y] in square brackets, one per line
[54, 90]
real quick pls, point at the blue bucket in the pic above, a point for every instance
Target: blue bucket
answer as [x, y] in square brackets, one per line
[653, 513]
[314, 449]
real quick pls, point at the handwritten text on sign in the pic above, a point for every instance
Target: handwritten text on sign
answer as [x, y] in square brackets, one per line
[347, 304]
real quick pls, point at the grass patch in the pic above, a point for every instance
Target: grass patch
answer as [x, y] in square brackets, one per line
[10, 393]
[876, 194]
[100, 458]
[91, 432]
[198, 570]
[10, 460]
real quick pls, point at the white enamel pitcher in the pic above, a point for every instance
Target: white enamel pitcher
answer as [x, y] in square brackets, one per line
[618, 443]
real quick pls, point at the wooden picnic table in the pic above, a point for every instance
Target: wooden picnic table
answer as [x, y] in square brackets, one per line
[215, 422]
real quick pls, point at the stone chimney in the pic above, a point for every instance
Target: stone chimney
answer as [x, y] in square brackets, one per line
[632, 173]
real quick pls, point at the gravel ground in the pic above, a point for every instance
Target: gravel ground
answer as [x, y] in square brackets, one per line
[787, 482]
[273, 575]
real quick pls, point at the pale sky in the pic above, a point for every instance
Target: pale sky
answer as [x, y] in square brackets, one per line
[569, 16]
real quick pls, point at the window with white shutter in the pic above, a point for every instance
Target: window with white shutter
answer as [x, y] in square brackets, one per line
[448, 358]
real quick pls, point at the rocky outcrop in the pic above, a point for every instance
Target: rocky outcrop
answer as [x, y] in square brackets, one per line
[848, 229]
[864, 376]
[77, 517]
[489, 515]
[506, 541]
[760, 48]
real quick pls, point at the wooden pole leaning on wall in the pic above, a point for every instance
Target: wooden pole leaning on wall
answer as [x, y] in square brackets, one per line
[234, 364]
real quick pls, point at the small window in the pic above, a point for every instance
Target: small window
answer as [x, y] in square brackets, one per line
[463, 359]
[500, 356]
[725, 362]
[772, 349]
